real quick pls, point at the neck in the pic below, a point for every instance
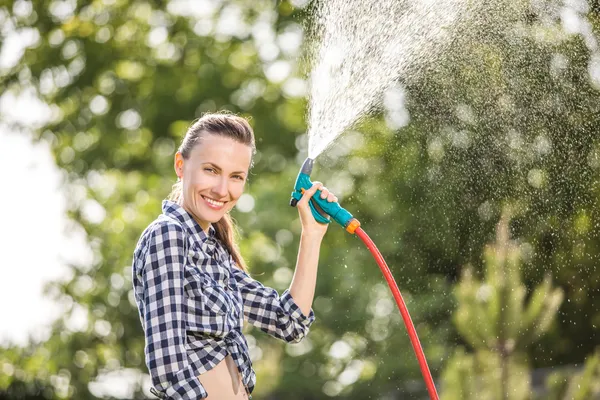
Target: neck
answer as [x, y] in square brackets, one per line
[205, 225]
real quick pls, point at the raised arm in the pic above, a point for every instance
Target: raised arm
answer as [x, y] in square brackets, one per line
[304, 281]
[289, 317]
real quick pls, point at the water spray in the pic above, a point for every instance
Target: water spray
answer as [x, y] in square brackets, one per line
[322, 210]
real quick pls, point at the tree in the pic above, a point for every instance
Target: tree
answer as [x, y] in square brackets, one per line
[508, 115]
[499, 325]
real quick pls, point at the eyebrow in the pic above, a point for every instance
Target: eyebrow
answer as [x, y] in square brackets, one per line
[220, 169]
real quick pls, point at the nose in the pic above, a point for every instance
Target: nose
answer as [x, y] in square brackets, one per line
[220, 189]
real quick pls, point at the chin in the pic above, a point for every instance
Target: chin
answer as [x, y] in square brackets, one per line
[211, 216]
[214, 220]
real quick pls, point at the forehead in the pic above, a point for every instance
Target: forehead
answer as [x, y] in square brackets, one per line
[225, 152]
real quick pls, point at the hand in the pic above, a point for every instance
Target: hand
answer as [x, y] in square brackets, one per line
[310, 226]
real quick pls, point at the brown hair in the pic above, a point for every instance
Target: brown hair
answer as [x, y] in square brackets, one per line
[227, 125]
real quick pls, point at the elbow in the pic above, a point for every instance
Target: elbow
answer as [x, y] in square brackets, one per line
[297, 334]
[296, 339]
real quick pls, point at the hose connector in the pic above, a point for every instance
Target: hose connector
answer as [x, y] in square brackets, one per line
[352, 226]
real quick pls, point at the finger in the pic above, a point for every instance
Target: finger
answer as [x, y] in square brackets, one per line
[310, 192]
[320, 210]
[324, 193]
[331, 198]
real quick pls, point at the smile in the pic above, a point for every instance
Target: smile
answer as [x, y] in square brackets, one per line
[214, 203]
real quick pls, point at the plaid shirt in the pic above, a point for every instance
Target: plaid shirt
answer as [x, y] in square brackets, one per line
[192, 301]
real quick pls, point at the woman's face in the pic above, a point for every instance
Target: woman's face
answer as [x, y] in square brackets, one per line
[213, 177]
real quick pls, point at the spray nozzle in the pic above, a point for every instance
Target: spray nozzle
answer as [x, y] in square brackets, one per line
[321, 208]
[307, 166]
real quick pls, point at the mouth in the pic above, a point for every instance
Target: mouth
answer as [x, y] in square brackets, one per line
[214, 204]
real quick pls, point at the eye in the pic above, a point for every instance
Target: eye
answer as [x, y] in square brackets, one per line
[209, 169]
[239, 177]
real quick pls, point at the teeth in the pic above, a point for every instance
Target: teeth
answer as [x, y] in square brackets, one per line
[214, 202]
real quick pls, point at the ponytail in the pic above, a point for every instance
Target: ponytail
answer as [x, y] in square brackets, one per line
[176, 195]
[226, 232]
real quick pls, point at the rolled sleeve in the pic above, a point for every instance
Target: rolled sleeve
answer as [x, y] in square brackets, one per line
[165, 316]
[294, 311]
[279, 316]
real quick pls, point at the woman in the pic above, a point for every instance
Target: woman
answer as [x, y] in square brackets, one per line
[191, 284]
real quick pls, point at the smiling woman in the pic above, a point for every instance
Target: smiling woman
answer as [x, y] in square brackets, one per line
[215, 172]
[192, 287]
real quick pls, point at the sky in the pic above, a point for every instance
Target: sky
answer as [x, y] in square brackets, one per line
[34, 244]
[33, 241]
[36, 240]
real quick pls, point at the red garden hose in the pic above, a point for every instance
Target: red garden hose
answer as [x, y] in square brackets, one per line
[412, 333]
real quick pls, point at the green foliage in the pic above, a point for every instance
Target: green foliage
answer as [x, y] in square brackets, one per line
[501, 120]
[477, 376]
[509, 115]
[496, 322]
[580, 385]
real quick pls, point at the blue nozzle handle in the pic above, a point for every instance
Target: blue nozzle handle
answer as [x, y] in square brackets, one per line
[318, 206]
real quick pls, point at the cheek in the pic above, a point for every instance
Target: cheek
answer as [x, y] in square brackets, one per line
[197, 180]
[237, 191]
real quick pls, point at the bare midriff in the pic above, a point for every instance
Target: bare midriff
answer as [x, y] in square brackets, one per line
[224, 381]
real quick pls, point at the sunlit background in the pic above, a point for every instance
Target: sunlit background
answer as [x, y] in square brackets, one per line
[95, 97]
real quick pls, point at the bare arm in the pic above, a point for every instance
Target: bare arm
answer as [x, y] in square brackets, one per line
[303, 284]
[304, 281]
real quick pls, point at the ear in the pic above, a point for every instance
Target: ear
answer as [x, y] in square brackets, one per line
[178, 164]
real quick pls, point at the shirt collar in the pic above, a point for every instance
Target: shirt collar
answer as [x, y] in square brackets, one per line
[175, 211]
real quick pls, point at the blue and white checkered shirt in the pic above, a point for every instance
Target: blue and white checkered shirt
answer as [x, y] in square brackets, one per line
[192, 301]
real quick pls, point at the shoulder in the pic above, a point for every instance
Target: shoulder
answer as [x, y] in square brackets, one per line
[163, 230]
[163, 241]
